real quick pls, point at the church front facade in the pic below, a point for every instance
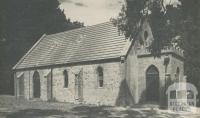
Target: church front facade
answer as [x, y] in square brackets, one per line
[96, 65]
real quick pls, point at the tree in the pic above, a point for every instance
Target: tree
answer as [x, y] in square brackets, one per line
[22, 23]
[159, 16]
[178, 23]
[191, 39]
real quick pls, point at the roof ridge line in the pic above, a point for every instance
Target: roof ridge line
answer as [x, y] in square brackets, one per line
[29, 51]
[79, 28]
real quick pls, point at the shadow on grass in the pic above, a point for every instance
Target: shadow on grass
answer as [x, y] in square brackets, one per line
[101, 112]
[147, 114]
[109, 112]
[38, 113]
[90, 112]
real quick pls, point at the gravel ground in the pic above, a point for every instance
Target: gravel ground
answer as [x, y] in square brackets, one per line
[12, 108]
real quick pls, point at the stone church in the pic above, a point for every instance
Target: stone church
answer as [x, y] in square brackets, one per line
[96, 65]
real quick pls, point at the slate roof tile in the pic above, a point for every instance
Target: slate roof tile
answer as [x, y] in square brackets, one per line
[101, 41]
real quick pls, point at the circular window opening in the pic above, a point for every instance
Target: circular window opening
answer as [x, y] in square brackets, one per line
[145, 35]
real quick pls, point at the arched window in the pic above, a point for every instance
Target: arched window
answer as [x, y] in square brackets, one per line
[36, 84]
[65, 73]
[177, 75]
[145, 35]
[100, 76]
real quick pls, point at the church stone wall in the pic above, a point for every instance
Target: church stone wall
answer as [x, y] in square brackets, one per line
[144, 64]
[139, 60]
[92, 94]
[175, 63]
[132, 74]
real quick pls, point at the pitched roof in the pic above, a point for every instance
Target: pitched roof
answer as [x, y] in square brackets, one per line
[101, 41]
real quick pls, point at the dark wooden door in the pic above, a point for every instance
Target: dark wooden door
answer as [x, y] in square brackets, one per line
[152, 84]
[36, 85]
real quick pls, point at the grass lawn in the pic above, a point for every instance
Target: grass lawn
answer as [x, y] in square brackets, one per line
[12, 108]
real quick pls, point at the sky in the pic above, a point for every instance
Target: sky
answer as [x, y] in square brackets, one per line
[91, 12]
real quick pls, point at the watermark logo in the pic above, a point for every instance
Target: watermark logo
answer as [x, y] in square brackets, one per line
[182, 97]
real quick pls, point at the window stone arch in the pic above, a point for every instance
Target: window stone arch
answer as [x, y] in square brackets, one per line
[36, 85]
[66, 78]
[100, 76]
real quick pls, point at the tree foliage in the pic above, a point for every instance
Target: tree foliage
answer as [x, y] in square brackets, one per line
[22, 23]
[190, 31]
[160, 17]
[170, 23]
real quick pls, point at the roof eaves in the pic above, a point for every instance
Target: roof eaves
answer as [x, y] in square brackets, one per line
[20, 61]
[73, 62]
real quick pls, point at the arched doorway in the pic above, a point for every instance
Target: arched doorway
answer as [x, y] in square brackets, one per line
[36, 85]
[152, 84]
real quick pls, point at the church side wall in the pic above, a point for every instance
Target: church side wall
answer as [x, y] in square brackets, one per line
[132, 74]
[92, 94]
